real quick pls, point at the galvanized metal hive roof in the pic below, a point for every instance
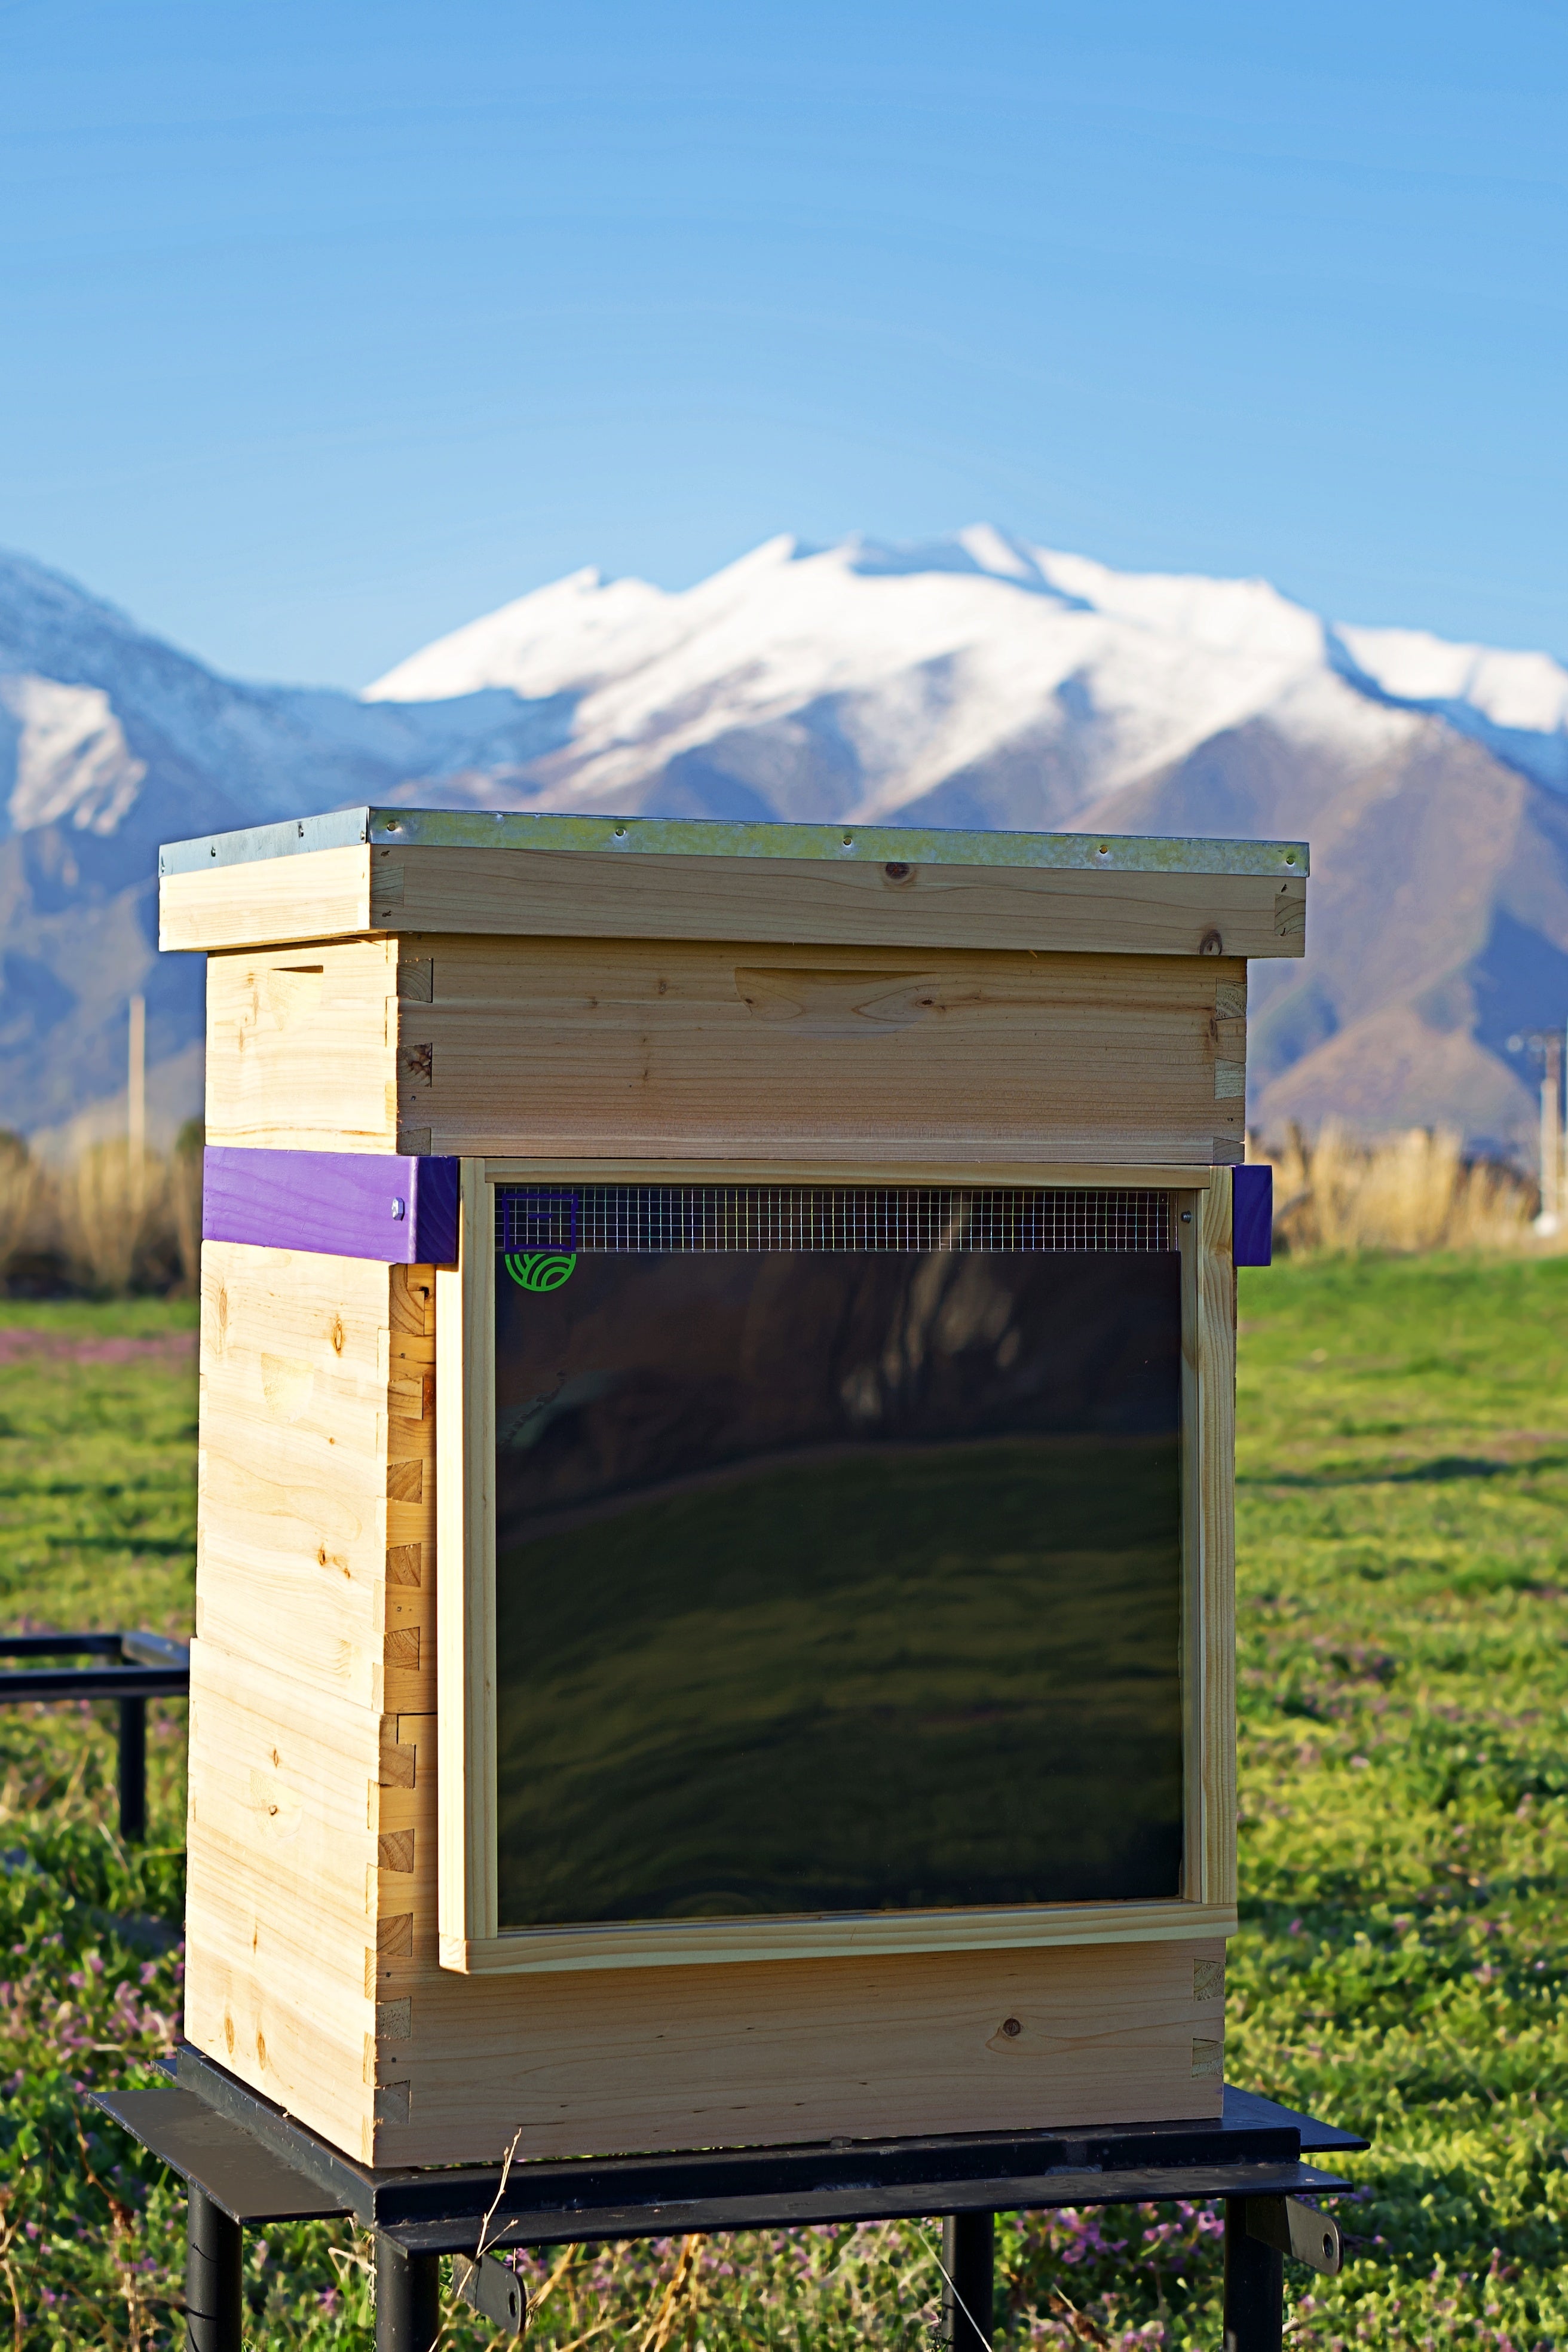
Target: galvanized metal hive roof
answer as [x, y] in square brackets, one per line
[715, 837]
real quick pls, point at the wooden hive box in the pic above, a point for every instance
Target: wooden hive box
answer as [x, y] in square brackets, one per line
[714, 1590]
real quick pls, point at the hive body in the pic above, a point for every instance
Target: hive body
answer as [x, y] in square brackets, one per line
[575, 1011]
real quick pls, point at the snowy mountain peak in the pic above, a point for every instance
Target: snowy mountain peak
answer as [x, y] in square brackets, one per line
[1229, 616]
[570, 630]
[1514, 703]
[904, 673]
[980, 550]
[1033, 644]
[995, 551]
[976, 680]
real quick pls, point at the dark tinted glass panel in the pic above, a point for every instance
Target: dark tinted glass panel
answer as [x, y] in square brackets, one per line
[835, 1574]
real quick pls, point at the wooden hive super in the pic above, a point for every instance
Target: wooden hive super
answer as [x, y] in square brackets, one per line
[430, 1035]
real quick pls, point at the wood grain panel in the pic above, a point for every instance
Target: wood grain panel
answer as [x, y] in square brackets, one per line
[291, 1519]
[320, 894]
[309, 1842]
[682, 1943]
[302, 1047]
[803, 2050]
[275, 1919]
[406, 1604]
[280, 1789]
[1230, 1040]
[1158, 1175]
[615, 1049]
[1214, 1343]
[332, 893]
[265, 2028]
[586, 894]
[1209, 1541]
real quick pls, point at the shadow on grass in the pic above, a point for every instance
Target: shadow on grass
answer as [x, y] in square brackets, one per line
[1444, 1469]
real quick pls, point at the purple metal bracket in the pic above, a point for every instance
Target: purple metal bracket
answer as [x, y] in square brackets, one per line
[1252, 1214]
[390, 1206]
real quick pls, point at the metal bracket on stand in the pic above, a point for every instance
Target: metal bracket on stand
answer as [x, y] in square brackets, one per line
[1259, 2231]
[492, 2290]
[1298, 2230]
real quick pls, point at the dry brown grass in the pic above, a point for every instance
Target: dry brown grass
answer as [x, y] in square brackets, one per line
[24, 1215]
[1411, 1192]
[106, 1223]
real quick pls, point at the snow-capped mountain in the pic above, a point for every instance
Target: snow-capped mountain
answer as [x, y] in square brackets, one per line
[929, 662]
[975, 681]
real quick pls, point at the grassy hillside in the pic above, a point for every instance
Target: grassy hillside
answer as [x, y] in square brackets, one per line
[1404, 1473]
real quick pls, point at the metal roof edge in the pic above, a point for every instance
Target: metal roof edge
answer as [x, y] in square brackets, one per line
[338, 829]
[717, 837]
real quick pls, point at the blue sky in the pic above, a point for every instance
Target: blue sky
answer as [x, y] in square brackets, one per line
[328, 327]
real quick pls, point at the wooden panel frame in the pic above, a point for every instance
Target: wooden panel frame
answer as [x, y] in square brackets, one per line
[1118, 907]
[586, 1050]
[1208, 1538]
[581, 893]
[470, 1942]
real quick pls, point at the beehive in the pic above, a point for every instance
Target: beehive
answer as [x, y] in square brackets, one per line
[840, 1740]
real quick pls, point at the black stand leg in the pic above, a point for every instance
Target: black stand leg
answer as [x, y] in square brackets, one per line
[967, 2290]
[1253, 2287]
[407, 2298]
[132, 1771]
[213, 2308]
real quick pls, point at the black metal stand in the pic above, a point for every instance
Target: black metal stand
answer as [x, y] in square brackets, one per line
[1254, 2285]
[407, 2298]
[134, 1770]
[245, 2160]
[967, 2254]
[214, 2306]
[141, 1666]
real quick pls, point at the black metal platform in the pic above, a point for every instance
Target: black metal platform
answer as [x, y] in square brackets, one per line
[246, 2161]
[141, 1666]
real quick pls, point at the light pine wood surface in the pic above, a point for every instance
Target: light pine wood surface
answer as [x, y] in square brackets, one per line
[1136, 1175]
[465, 1299]
[292, 1455]
[315, 1663]
[302, 1046]
[579, 894]
[1208, 1401]
[684, 1943]
[615, 1049]
[803, 2050]
[334, 893]
[618, 1051]
[322, 894]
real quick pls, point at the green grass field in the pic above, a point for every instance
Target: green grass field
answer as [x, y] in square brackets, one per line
[1404, 1549]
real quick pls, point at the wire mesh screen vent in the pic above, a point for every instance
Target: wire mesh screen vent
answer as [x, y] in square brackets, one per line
[660, 1217]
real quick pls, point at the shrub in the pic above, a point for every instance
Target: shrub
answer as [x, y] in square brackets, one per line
[106, 1224]
[1409, 1192]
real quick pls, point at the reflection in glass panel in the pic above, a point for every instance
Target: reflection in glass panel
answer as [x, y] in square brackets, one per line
[839, 1577]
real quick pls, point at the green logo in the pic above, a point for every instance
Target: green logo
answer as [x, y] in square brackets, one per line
[543, 1269]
